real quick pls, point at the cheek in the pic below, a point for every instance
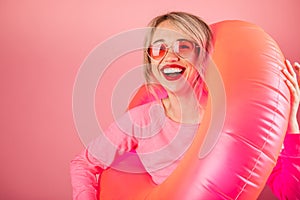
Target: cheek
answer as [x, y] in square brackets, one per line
[153, 68]
[194, 60]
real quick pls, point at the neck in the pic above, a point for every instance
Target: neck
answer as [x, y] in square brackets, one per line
[183, 108]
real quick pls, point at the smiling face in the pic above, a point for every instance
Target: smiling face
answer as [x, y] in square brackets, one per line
[174, 58]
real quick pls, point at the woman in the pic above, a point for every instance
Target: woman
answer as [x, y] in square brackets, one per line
[179, 47]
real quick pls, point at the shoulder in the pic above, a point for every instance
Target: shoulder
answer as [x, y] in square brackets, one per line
[139, 120]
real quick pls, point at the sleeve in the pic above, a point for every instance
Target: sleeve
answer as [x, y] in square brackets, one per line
[86, 168]
[284, 180]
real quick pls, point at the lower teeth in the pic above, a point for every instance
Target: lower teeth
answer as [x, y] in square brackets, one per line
[173, 74]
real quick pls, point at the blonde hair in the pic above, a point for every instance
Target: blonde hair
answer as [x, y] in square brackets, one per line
[191, 25]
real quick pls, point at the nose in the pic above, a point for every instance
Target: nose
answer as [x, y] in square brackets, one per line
[171, 56]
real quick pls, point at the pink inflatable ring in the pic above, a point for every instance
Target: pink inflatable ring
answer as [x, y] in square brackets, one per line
[257, 107]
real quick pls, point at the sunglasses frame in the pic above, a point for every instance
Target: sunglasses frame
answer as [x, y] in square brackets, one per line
[172, 46]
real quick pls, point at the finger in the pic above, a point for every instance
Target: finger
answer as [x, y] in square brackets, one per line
[290, 68]
[292, 81]
[291, 74]
[290, 77]
[292, 89]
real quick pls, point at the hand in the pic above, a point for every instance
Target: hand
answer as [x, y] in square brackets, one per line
[292, 73]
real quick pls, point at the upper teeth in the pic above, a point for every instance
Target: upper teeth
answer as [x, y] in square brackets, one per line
[172, 70]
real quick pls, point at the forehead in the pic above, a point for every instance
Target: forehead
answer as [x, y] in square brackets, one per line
[169, 32]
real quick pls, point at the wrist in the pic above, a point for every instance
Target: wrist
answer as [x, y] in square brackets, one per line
[293, 127]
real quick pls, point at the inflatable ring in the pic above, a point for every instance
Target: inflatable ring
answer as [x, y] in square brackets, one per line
[257, 107]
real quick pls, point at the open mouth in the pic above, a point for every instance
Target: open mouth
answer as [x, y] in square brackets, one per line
[172, 72]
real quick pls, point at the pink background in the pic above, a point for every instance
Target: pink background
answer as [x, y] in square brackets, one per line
[43, 44]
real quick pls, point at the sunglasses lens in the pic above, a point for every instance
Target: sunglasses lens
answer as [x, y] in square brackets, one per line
[157, 51]
[183, 48]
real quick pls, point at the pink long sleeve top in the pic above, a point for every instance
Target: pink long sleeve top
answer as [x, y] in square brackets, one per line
[160, 144]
